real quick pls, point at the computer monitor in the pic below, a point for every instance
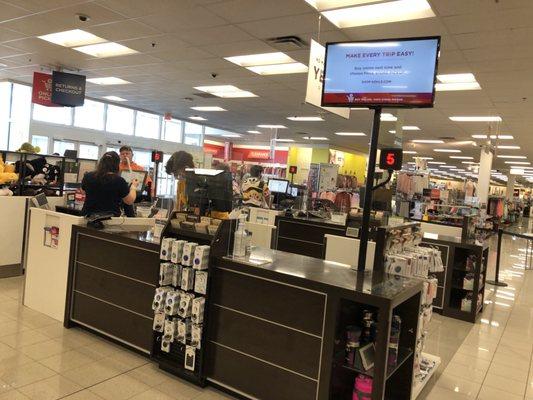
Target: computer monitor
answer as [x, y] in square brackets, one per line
[209, 189]
[293, 191]
[72, 154]
[278, 185]
[40, 201]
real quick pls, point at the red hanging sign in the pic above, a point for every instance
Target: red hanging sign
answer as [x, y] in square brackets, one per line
[42, 90]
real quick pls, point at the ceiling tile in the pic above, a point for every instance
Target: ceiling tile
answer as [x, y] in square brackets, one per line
[237, 11]
[123, 30]
[284, 26]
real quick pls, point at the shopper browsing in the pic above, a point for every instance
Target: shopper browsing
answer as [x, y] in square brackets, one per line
[105, 190]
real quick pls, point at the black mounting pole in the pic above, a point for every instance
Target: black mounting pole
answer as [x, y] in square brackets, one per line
[496, 281]
[367, 205]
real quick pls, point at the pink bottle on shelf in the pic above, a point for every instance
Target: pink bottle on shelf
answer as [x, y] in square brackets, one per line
[362, 388]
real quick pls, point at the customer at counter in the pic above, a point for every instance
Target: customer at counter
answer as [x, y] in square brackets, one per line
[255, 191]
[105, 190]
[176, 165]
[127, 163]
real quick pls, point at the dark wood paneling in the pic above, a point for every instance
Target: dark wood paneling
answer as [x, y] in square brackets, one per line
[313, 233]
[299, 247]
[127, 293]
[286, 305]
[112, 320]
[273, 343]
[125, 260]
[256, 378]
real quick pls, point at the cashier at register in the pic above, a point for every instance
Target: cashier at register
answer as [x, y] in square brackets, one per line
[105, 190]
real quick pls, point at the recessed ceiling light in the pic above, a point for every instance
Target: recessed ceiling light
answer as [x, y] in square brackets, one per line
[254, 132]
[437, 162]
[225, 91]
[359, 108]
[517, 171]
[197, 118]
[468, 162]
[108, 80]
[518, 162]
[306, 119]
[508, 147]
[508, 156]
[425, 158]
[350, 133]
[278, 69]
[322, 5]
[462, 157]
[428, 141]
[450, 87]
[108, 49]
[253, 60]
[231, 135]
[410, 128]
[390, 11]
[477, 119]
[267, 126]
[447, 150]
[388, 117]
[284, 140]
[208, 108]
[315, 138]
[72, 38]
[448, 166]
[501, 137]
[114, 98]
[409, 152]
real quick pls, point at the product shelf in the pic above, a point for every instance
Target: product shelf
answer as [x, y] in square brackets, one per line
[403, 356]
[419, 385]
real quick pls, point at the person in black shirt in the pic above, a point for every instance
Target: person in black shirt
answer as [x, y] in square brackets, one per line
[105, 190]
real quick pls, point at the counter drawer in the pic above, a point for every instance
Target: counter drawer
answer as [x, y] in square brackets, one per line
[307, 231]
[273, 343]
[128, 327]
[283, 304]
[130, 261]
[124, 292]
[256, 378]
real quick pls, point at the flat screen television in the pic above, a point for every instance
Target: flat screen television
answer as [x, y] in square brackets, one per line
[381, 73]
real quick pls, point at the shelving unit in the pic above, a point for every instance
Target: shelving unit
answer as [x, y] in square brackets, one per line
[417, 388]
[173, 361]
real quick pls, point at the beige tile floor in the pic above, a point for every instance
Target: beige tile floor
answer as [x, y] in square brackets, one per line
[491, 359]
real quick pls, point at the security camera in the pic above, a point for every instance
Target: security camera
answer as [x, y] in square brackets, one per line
[214, 74]
[83, 17]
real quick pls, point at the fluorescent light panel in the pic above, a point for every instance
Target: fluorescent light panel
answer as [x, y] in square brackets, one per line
[509, 156]
[501, 137]
[253, 60]
[279, 69]
[508, 147]
[285, 140]
[114, 98]
[108, 80]
[72, 38]
[107, 49]
[350, 134]
[447, 150]
[208, 108]
[198, 118]
[315, 138]
[388, 117]
[429, 141]
[225, 91]
[322, 5]
[409, 152]
[450, 87]
[476, 119]
[518, 162]
[254, 132]
[373, 14]
[306, 119]
[267, 126]
[456, 78]
[462, 157]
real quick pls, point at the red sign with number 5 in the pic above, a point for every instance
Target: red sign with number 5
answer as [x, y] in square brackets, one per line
[391, 159]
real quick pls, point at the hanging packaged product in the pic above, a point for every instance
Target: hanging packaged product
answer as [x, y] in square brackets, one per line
[159, 322]
[172, 303]
[165, 273]
[166, 249]
[190, 358]
[185, 305]
[177, 251]
[176, 275]
[158, 304]
[197, 310]
[200, 282]
[196, 336]
[187, 279]
[201, 257]
[183, 330]
[188, 254]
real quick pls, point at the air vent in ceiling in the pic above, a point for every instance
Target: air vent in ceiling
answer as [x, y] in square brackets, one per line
[287, 43]
[205, 95]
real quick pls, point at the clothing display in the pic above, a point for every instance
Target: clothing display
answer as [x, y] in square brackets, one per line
[411, 183]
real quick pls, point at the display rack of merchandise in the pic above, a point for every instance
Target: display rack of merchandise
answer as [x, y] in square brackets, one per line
[402, 254]
[180, 312]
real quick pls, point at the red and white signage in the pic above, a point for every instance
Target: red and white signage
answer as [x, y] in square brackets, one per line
[246, 153]
[42, 89]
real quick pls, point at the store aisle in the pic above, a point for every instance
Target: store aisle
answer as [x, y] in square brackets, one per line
[489, 360]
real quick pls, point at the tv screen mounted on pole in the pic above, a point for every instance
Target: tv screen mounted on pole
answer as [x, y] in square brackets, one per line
[381, 73]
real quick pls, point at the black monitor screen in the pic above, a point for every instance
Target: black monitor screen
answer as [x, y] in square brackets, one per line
[216, 190]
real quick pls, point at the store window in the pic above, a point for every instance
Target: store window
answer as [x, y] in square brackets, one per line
[172, 130]
[54, 115]
[147, 125]
[41, 141]
[111, 148]
[89, 151]
[90, 115]
[165, 182]
[120, 120]
[193, 134]
[143, 158]
[19, 129]
[60, 146]
[5, 108]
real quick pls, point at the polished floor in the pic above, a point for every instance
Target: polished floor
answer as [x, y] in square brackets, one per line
[489, 360]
